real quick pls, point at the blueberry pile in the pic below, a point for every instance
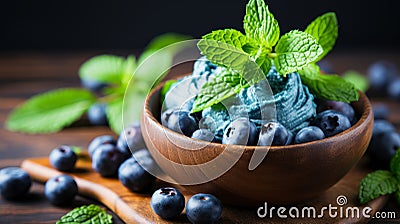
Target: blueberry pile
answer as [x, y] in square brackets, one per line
[333, 118]
[168, 203]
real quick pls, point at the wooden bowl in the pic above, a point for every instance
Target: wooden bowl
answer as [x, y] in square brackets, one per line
[288, 174]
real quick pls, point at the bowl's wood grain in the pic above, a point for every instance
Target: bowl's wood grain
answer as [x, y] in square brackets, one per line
[288, 174]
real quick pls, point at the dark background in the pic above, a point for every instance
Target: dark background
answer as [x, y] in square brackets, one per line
[61, 25]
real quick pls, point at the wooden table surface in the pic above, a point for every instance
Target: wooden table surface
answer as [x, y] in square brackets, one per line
[25, 74]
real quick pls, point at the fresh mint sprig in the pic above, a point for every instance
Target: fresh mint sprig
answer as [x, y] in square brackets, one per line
[51, 111]
[381, 182]
[295, 51]
[86, 214]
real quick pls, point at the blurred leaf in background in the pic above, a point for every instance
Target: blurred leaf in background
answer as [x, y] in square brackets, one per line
[105, 78]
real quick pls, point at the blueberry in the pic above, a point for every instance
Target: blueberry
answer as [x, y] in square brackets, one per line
[61, 190]
[394, 89]
[309, 134]
[130, 140]
[63, 158]
[381, 111]
[204, 134]
[100, 140]
[97, 114]
[274, 133]
[380, 74]
[332, 122]
[92, 85]
[382, 126]
[326, 67]
[240, 132]
[344, 108]
[14, 182]
[106, 160]
[383, 146]
[133, 172]
[167, 202]
[180, 121]
[203, 208]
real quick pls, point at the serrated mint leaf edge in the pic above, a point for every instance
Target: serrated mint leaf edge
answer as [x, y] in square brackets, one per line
[328, 23]
[287, 48]
[363, 184]
[264, 31]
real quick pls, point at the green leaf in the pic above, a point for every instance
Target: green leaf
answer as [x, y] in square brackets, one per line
[235, 38]
[103, 68]
[216, 90]
[51, 111]
[223, 54]
[395, 165]
[295, 50]
[359, 81]
[325, 29]
[87, 214]
[375, 184]
[260, 24]
[114, 115]
[311, 71]
[331, 87]
[166, 87]
[164, 40]
[129, 69]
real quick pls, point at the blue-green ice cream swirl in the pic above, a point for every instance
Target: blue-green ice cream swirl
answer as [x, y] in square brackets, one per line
[294, 103]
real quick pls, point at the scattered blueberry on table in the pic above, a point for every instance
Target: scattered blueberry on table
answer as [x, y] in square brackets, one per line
[100, 140]
[63, 158]
[106, 160]
[203, 208]
[97, 114]
[130, 140]
[167, 202]
[14, 183]
[133, 173]
[60, 190]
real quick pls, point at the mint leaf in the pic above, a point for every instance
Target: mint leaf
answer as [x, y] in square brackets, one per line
[164, 40]
[87, 214]
[331, 87]
[235, 38]
[103, 68]
[375, 184]
[295, 50]
[311, 71]
[395, 164]
[51, 111]
[114, 115]
[129, 68]
[166, 87]
[223, 54]
[359, 81]
[325, 29]
[221, 87]
[260, 24]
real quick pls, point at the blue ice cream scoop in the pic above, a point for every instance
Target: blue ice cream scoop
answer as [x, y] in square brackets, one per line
[277, 98]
